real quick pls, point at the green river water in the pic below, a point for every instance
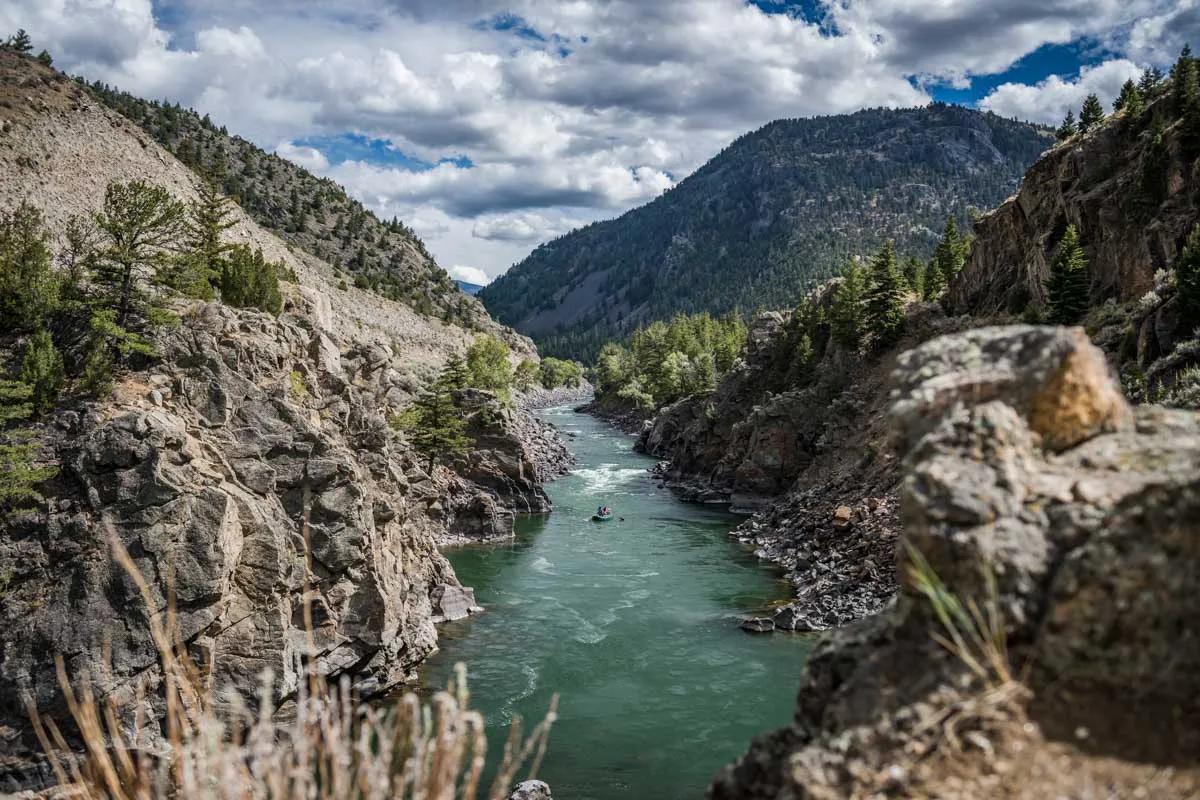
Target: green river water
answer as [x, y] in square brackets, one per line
[632, 622]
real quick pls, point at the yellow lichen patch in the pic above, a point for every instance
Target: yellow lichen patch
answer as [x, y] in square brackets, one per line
[1079, 401]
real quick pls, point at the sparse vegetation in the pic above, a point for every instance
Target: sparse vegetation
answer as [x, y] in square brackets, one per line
[434, 422]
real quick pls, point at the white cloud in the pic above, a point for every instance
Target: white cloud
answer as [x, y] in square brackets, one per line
[469, 275]
[310, 158]
[656, 89]
[1048, 100]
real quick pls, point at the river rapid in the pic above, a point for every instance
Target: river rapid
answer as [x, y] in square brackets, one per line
[633, 622]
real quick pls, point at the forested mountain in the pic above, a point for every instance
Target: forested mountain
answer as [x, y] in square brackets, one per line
[312, 214]
[777, 211]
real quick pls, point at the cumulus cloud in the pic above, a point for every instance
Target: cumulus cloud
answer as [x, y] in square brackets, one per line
[567, 111]
[1048, 100]
[469, 274]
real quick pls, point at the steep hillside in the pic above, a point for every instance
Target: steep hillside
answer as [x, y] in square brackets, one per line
[248, 462]
[775, 213]
[311, 214]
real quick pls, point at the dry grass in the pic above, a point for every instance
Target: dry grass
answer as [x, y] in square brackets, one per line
[334, 747]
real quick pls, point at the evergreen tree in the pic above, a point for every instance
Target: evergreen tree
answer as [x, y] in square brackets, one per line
[1068, 128]
[847, 316]
[951, 252]
[76, 260]
[1092, 113]
[45, 58]
[142, 225]
[885, 298]
[434, 422]
[1187, 277]
[935, 281]
[208, 219]
[914, 275]
[19, 470]
[1129, 100]
[20, 43]
[29, 288]
[1150, 84]
[250, 281]
[42, 371]
[1185, 83]
[1069, 284]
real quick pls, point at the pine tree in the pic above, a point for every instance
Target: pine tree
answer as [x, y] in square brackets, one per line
[42, 371]
[1150, 84]
[19, 471]
[884, 300]
[1069, 284]
[29, 289]
[250, 281]
[204, 260]
[950, 252]
[434, 422]
[76, 260]
[1129, 100]
[847, 316]
[1185, 83]
[142, 224]
[20, 43]
[935, 281]
[45, 58]
[1187, 277]
[1068, 128]
[914, 276]
[1092, 113]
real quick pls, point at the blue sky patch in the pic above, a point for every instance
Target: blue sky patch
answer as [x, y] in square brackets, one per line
[380, 152]
[1063, 60]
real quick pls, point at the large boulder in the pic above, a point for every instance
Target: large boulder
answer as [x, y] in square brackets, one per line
[1035, 495]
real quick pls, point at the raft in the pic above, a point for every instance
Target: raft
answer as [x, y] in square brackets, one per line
[601, 517]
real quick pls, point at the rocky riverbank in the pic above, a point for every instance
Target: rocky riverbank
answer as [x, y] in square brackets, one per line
[1024, 470]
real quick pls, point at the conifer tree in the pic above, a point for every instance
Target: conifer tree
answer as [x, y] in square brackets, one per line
[935, 281]
[1150, 84]
[29, 288]
[20, 43]
[884, 299]
[76, 260]
[208, 219]
[434, 422]
[914, 276]
[1129, 100]
[45, 58]
[142, 225]
[42, 371]
[951, 252]
[1069, 284]
[250, 281]
[847, 315]
[1187, 277]
[1068, 128]
[19, 471]
[1185, 85]
[1092, 113]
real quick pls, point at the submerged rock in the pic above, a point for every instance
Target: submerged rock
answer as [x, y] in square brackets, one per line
[531, 790]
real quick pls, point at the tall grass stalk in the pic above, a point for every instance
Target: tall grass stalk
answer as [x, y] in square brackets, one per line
[331, 746]
[972, 632]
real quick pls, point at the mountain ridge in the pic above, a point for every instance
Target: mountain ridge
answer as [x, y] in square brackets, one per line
[775, 212]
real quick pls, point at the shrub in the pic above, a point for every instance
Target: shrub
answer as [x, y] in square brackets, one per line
[250, 281]
[487, 365]
[42, 370]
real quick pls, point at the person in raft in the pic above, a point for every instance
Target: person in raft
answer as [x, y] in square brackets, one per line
[602, 511]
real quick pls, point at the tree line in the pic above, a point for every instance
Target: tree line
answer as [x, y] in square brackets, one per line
[436, 422]
[664, 361]
[81, 311]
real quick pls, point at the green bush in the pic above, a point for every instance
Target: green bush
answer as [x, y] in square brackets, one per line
[556, 372]
[488, 367]
[250, 281]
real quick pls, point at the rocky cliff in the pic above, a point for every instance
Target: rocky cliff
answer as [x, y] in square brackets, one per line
[250, 469]
[1024, 470]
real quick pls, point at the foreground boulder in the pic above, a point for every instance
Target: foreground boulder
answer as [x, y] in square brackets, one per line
[1073, 523]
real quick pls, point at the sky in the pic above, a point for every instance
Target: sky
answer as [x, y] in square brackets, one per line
[491, 127]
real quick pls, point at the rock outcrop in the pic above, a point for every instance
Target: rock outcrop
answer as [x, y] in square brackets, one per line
[1084, 517]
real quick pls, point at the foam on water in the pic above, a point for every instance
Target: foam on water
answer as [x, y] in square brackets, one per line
[606, 477]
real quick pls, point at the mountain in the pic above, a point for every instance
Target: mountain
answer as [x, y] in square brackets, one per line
[312, 214]
[774, 213]
[470, 288]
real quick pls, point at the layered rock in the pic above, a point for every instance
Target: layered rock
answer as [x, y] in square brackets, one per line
[1073, 521]
[252, 474]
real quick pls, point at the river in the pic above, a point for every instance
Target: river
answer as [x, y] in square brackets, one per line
[632, 622]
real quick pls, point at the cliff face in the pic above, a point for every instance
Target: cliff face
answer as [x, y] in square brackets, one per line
[250, 469]
[1130, 201]
[1024, 469]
